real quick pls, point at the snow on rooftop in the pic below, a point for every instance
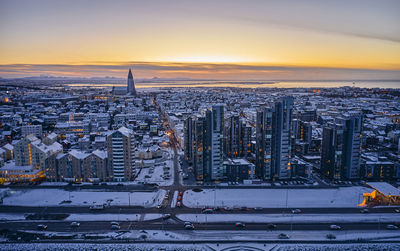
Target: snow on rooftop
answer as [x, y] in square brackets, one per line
[385, 188]
[77, 154]
[125, 131]
[8, 147]
[55, 147]
[52, 136]
[10, 166]
[100, 154]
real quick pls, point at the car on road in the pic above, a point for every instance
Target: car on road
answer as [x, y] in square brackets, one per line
[189, 226]
[166, 216]
[271, 226]
[180, 193]
[397, 210]
[334, 227]
[244, 209]
[179, 198]
[296, 211]
[159, 206]
[391, 227]
[330, 236]
[207, 211]
[258, 208]
[283, 236]
[115, 227]
[41, 227]
[179, 204]
[114, 223]
[227, 208]
[240, 225]
[364, 211]
[97, 207]
[75, 224]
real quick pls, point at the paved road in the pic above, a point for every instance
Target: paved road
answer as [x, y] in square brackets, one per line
[182, 210]
[105, 226]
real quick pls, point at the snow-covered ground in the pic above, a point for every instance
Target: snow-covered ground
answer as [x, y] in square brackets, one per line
[54, 184]
[253, 235]
[276, 198]
[237, 235]
[113, 217]
[55, 197]
[199, 247]
[290, 218]
[173, 202]
[9, 217]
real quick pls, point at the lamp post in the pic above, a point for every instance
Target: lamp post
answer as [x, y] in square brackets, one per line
[287, 195]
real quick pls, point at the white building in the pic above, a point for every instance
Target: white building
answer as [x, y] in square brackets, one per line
[31, 129]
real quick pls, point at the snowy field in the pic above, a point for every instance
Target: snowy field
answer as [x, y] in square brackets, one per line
[113, 217]
[289, 218]
[55, 197]
[276, 198]
[199, 247]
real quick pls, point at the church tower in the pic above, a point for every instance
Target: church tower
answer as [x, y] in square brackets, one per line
[131, 84]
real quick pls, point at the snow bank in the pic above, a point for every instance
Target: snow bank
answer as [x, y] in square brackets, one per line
[10, 217]
[198, 247]
[113, 217]
[290, 218]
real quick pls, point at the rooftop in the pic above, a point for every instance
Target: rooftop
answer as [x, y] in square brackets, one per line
[385, 188]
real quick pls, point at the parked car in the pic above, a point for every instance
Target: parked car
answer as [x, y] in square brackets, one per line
[334, 227]
[283, 236]
[240, 225]
[42, 227]
[364, 211]
[296, 211]
[75, 224]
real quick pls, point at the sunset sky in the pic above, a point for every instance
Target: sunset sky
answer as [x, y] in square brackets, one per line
[237, 39]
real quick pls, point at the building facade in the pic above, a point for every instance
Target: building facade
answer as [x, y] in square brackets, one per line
[340, 154]
[121, 153]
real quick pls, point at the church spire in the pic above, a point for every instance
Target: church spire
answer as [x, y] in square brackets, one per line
[131, 84]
